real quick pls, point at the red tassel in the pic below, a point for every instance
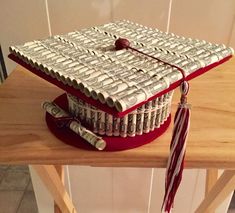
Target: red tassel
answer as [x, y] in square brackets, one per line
[175, 163]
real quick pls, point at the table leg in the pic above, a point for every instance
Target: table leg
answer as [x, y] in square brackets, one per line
[211, 178]
[221, 189]
[55, 186]
[60, 171]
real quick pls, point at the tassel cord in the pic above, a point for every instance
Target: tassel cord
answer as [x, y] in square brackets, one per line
[175, 162]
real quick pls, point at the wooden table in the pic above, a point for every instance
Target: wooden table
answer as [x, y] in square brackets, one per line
[25, 139]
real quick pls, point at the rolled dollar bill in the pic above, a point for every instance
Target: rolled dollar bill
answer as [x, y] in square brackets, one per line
[81, 109]
[89, 136]
[116, 126]
[94, 118]
[88, 113]
[101, 122]
[77, 107]
[108, 124]
[75, 126]
[164, 108]
[147, 116]
[144, 91]
[95, 92]
[124, 87]
[153, 114]
[96, 80]
[192, 66]
[140, 120]
[111, 100]
[217, 48]
[120, 86]
[131, 128]
[71, 104]
[169, 103]
[54, 110]
[40, 56]
[131, 100]
[123, 126]
[158, 113]
[212, 58]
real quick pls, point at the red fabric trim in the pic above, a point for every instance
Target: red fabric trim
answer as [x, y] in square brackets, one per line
[97, 103]
[113, 143]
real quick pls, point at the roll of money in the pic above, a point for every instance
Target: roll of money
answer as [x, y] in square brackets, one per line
[131, 128]
[147, 117]
[101, 122]
[203, 55]
[77, 107]
[131, 100]
[164, 108]
[54, 110]
[212, 58]
[36, 55]
[153, 114]
[39, 56]
[95, 80]
[144, 91]
[140, 120]
[94, 119]
[193, 66]
[94, 89]
[88, 114]
[81, 110]
[117, 87]
[158, 113]
[217, 48]
[116, 126]
[93, 74]
[169, 103]
[71, 104]
[75, 126]
[168, 99]
[154, 88]
[89, 136]
[111, 100]
[123, 126]
[108, 124]
[107, 81]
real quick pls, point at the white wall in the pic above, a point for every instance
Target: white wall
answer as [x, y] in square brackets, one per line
[25, 20]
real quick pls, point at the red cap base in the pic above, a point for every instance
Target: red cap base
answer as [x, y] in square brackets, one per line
[113, 143]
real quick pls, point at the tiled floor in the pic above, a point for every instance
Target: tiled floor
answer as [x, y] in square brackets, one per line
[17, 195]
[16, 191]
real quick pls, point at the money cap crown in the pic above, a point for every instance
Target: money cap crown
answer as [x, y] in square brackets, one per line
[89, 64]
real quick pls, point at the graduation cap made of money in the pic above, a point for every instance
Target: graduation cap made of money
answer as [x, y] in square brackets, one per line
[119, 79]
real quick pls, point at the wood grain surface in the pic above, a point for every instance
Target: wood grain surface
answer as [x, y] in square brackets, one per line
[25, 139]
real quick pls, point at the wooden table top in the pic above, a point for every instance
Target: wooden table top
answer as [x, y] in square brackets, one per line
[25, 139]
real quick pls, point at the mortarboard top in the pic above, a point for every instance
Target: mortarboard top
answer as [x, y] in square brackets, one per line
[86, 64]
